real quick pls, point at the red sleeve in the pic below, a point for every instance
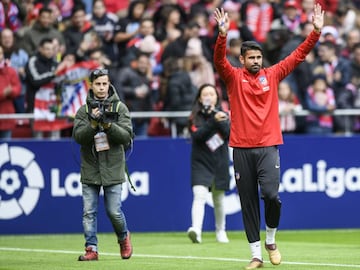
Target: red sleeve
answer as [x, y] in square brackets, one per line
[288, 64]
[222, 65]
[15, 82]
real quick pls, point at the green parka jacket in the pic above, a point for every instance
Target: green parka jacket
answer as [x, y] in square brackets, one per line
[106, 167]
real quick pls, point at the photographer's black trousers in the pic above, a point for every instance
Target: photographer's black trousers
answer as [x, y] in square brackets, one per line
[258, 168]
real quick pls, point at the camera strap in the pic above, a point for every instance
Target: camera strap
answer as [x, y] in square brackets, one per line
[116, 107]
[128, 177]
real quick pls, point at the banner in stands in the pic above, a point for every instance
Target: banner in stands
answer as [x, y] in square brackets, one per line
[40, 190]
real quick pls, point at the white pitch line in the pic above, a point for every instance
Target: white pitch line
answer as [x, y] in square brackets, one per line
[177, 257]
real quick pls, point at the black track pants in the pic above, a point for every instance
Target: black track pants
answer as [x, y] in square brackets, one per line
[258, 168]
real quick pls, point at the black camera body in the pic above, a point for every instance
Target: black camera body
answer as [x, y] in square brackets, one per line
[106, 114]
[206, 109]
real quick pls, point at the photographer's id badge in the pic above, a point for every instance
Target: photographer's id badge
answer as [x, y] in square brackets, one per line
[214, 142]
[101, 142]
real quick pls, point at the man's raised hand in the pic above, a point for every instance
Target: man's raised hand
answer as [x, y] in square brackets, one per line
[222, 19]
[318, 17]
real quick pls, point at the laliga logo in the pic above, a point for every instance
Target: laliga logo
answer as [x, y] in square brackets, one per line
[20, 181]
[232, 200]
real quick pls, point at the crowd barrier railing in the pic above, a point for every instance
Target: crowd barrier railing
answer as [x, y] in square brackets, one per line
[179, 114]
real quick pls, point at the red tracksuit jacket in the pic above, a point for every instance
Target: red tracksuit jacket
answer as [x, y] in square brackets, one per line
[254, 98]
[8, 76]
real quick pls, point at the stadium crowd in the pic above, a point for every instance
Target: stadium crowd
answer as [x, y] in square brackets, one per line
[159, 53]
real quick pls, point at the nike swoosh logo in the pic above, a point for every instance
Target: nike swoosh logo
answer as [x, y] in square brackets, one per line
[277, 166]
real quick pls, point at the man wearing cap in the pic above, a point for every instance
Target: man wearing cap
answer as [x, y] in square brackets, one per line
[292, 16]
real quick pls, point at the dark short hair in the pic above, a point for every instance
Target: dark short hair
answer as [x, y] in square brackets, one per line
[192, 24]
[250, 46]
[234, 42]
[77, 7]
[96, 73]
[45, 10]
[328, 44]
[319, 76]
[44, 41]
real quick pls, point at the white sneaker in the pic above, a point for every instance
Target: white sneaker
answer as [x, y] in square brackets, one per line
[221, 237]
[194, 235]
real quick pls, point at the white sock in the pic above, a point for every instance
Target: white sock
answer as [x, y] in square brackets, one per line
[219, 212]
[198, 206]
[256, 250]
[94, 248]
[270, 235]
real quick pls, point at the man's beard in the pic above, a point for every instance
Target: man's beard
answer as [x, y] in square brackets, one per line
[254, 69]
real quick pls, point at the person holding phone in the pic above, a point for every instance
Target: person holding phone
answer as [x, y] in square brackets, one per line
[209, 127]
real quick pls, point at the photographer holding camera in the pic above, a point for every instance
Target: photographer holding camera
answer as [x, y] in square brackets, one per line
[103, 129]
[209, 128]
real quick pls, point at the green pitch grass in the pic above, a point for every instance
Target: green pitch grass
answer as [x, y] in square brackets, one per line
[301, 250]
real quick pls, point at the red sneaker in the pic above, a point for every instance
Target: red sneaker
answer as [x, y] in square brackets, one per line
[90, 255]
[125, 247]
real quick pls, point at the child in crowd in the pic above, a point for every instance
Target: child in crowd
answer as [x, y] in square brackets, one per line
[321, 102]
[288, 104]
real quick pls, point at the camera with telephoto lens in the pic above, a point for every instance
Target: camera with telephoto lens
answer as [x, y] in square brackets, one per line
[106, 115]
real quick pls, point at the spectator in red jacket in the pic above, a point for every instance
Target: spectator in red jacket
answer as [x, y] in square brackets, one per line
[10, 88]
[257, 17]
[255, 129]
[10, 15]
